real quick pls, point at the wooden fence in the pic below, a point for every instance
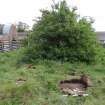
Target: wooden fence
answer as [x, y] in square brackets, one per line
[9, 45]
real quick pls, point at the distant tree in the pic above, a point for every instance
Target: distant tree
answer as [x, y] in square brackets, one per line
[21, 27]
[60, 34]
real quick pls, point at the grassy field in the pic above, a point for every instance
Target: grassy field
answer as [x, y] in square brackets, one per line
[40, 86]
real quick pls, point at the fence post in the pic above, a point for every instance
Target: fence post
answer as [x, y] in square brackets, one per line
[2, 46]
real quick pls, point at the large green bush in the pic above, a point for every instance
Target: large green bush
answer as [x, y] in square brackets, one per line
[61, 34]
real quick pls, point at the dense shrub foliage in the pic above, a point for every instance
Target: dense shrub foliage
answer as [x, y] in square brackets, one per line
[60, 34]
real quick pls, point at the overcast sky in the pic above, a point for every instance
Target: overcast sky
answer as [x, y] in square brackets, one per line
[12, 11]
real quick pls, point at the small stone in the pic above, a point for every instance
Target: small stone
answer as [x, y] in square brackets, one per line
[65, 95]
[85, 95]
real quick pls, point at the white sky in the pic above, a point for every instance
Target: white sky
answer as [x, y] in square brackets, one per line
[12, 11]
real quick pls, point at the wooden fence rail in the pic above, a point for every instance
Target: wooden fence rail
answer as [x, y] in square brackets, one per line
[9, 45]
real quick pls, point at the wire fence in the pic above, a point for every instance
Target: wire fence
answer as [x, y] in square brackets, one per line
[9, 45]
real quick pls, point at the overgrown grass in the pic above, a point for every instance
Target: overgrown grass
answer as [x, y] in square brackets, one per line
[41, 85]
